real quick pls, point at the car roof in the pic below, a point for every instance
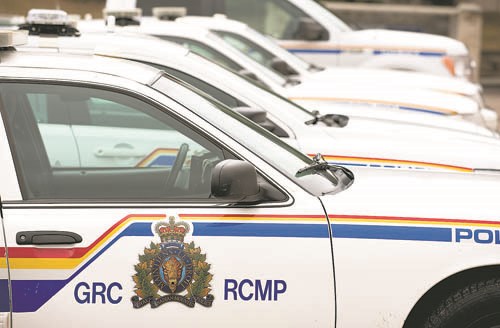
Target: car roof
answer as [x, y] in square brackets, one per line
[120, 42]
[140, 73]
[216, 21]
[148, 25]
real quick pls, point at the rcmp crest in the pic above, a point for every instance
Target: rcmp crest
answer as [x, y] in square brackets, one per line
[172, 270]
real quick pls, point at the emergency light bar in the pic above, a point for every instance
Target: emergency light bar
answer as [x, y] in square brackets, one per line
[124, 17]
[47, 17]
[49, 21]
[123, 13]
[169, 13]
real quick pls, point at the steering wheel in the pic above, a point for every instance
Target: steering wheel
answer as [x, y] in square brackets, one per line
[176, 168]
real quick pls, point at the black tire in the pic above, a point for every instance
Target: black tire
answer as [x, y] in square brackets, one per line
[474, 306]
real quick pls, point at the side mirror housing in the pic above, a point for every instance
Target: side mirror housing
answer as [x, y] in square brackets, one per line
[310, 30]
[256, 115]
[282, 67]
[235, 180]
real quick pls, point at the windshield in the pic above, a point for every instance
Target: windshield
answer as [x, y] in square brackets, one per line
[262, 143]
[325, 12]
[251, 50]
[204, 51]
[256, 50]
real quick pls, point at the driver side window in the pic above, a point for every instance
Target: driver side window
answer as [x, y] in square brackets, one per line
[76, 142]
[277, 18]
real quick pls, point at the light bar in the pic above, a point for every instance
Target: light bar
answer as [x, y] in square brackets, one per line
[123, 13]
[169, 13]
[47, 17]
[13, 38]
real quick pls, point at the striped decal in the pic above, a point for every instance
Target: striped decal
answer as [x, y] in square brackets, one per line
[162, 157]
[30, 295]
[389, 104]
[392, 163]
[365, 49]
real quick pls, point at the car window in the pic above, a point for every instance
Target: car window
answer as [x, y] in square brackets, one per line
[77, 142]
[222, 97]
[204, 51]
[277, 18]
[250, 49]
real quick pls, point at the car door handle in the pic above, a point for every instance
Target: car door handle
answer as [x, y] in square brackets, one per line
[44, 237]
[119, 150]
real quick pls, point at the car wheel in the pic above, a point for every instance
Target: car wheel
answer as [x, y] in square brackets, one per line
[474, 306]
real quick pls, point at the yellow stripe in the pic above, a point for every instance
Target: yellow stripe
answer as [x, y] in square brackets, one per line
[378, 102]
[398, 162]
[304, 45]
[240, 218]
[416, 221]
[69, 263]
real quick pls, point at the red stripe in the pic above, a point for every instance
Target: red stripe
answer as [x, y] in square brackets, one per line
[394, 160]
[395, 218]
[250, 216]
[73, 252]
[31, 252]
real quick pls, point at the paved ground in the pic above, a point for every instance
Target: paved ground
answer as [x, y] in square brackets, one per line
[492, 97]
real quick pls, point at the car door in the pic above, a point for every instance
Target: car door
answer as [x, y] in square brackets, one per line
[4, 277]
[110, 244]
[285, 21]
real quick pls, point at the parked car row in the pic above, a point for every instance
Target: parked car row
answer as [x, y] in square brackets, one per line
[191, 171]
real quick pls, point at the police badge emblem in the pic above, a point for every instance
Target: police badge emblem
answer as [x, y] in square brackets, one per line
[174, 268]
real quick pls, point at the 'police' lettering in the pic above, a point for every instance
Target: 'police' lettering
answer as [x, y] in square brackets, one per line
[258, 290]
[98, 292]
[479, 236]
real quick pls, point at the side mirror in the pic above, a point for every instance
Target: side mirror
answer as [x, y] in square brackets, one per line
[310, 30]
[235, 180]
[255, 115]
[282, 67]
[248, 74]
[259, 116]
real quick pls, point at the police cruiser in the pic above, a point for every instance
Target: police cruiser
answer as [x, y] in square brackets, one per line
[240, 230]
[312, 94]
[263, 50]
[352, 141]
[309, 30]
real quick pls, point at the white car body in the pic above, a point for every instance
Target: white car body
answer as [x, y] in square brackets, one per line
[337, 44]
[377, 48]
[393, 99]
[363, 142]
[260, 48]
[326, 250]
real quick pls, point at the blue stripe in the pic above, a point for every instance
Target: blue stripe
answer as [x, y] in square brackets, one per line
[30, 295]
[374, 52]
[349, 163]
[428, 111]
[163, 160]
[296, 230]
[322, 51]
[4, 295]
[355, 231]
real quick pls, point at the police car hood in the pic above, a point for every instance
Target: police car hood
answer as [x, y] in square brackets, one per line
[407, 98]
[354, 77]
[388, 198]
[412, 42]
[377, 113]
[401, 146]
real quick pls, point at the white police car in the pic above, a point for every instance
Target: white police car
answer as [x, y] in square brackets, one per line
[349, 141]
[247, 232]
[307, 29]
[261, 49]
[312, 94]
